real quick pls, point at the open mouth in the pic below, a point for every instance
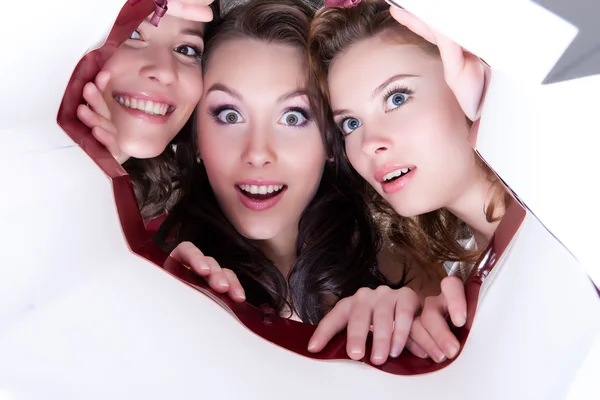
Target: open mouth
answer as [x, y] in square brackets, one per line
[395, 175]
[146, 106]
[262, 192]
[260, 197]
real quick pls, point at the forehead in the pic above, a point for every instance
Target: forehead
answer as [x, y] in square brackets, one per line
[252, 63]
[172, 26]
[368, 62]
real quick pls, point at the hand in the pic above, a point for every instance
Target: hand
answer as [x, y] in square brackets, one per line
[193, 10]
[96, 116]
[389, 312]
[465, 73]
[430, 333]
[221, 280]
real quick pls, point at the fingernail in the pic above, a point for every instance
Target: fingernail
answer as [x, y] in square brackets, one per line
[461, 320]
[223, 283]
[355, 351]
[240, 294]
[312, 345]
[204, 268]
[438, 356]
[395, 353]
[378, 357]
[451, 349]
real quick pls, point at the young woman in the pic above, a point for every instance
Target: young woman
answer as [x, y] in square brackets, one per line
[265, 199]
[403, 103]
[145, 94]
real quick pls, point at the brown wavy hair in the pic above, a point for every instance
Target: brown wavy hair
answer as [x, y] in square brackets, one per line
[158, 181]
[337, 240]
[427, 238]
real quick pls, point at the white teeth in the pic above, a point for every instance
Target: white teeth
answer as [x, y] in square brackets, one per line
[394, 174]
[262, 189]
[147, 106]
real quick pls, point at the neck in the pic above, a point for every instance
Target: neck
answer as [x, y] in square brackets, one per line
[471, 208]
[281, 250]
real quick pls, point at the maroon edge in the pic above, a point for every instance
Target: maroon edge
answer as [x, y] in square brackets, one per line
[290, 335]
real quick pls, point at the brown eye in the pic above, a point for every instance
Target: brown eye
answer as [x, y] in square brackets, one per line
[293, 118]
[229, 116]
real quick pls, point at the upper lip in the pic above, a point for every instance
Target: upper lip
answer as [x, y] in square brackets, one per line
[386, 169]
[260, 182]
[156, 98]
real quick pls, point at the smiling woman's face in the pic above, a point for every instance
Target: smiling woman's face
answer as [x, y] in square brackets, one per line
[155, 84]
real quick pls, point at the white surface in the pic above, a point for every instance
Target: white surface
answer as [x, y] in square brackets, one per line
[82, 317]
[541, 139]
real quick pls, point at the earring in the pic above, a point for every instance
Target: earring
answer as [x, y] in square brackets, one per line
[199, 160]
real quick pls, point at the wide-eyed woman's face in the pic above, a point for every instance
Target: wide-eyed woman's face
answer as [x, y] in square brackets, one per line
[155, 84]
[262, 149]
[403, 128]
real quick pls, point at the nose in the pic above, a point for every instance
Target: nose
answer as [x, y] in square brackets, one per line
[260, 148]
[375, 142]
[159, 66]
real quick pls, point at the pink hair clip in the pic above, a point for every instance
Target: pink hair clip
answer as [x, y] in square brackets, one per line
[341, 3]
[160, 8]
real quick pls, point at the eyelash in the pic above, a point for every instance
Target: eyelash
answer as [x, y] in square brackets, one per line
[398, 89]
[197, 58]
[305, 113]
[215, 111]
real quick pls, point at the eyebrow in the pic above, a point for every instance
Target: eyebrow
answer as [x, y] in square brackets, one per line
[193, 32]
[219, 87]
[394, 78]
[379, 89]
[222, 88]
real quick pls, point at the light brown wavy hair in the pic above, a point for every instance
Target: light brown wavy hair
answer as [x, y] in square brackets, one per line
[428, 238]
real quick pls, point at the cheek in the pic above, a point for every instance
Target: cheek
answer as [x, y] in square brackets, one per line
[355, 155]
[191, 86]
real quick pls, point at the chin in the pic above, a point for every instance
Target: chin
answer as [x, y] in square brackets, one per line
[258, 232]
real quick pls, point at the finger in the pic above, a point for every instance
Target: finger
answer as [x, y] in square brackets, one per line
[414, 24]
[333, 323]
[359, 323]
[420, 336]
[91, 119]
[93, 96]
[434, 321]
[217, 279]
[415, 349]
[101, 80]
[383, 327]
[453, 290]
[407, 305]
[188, 254]
[464, 74]
[191, 10]
[236, 291]
[108, 140]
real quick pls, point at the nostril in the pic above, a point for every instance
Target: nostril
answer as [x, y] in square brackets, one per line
[160, 8]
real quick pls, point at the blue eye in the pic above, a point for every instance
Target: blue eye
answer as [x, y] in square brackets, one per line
[396, 97]
[395, 100]
[349, 125]
[135, 35]
[293, 118]
[229, 116]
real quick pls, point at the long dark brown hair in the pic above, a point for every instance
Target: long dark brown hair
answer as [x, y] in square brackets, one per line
[157, 181]
[428, 238]
[337, 242]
